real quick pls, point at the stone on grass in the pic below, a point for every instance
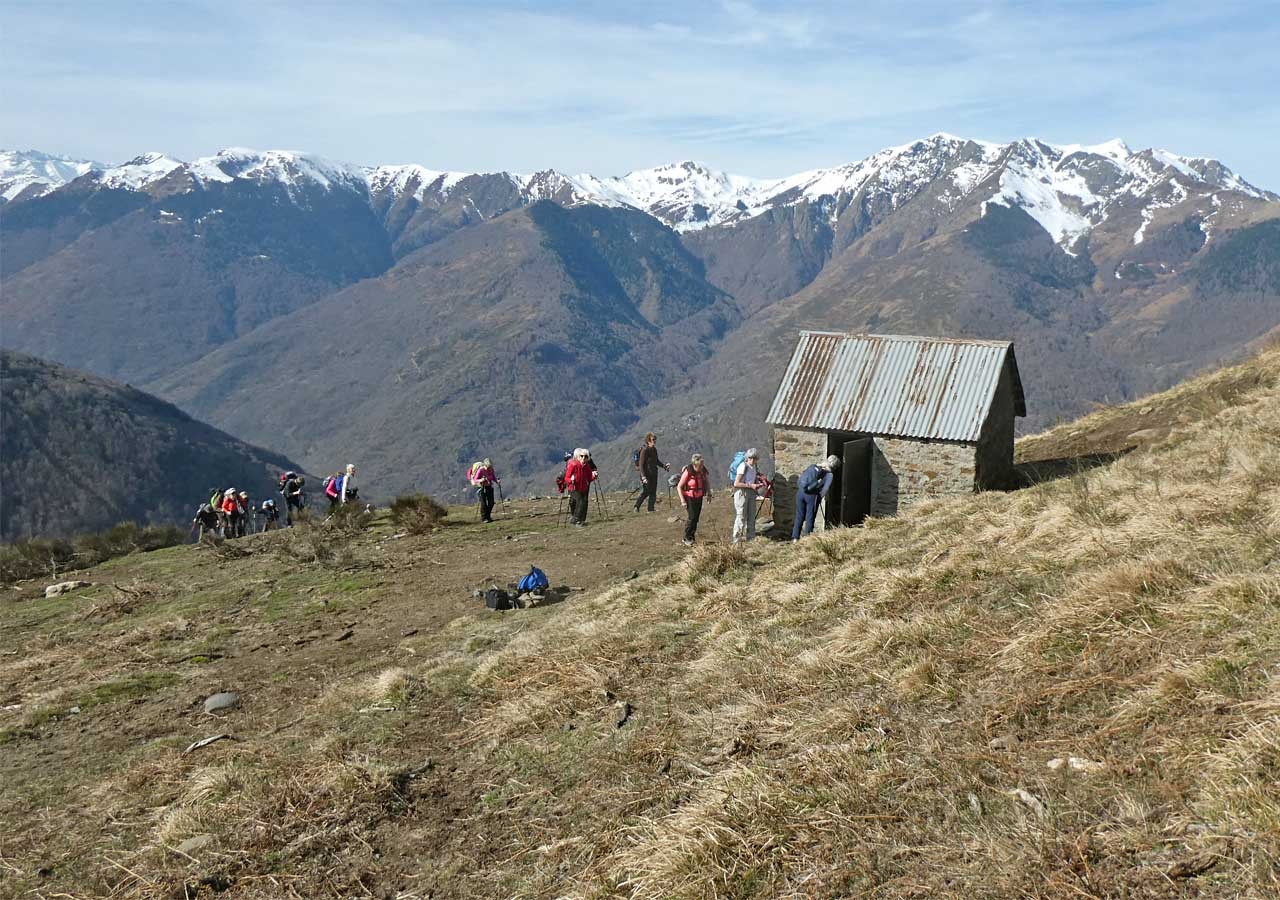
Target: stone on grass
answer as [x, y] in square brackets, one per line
[65, 587]
[221, 701]
[198, 842]
[1004, 742]
[1076, 764]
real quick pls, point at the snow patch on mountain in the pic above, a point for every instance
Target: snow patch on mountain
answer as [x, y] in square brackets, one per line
[139, 172]
[284, 167]
[21, 169]
[413, 179]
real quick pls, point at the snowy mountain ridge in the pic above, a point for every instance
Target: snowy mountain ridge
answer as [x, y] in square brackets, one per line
[1069, 189]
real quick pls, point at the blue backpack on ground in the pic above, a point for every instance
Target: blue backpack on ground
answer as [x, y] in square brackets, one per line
[738, 459]
[536, 580]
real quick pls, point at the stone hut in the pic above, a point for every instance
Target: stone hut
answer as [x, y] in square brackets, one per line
[910, 417]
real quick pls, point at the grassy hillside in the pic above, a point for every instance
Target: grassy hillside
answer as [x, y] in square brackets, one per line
[1066, 691]
[82, 453]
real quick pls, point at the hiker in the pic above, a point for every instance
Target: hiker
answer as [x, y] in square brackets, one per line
[246, 510]
[333, 490]
[483, 478]
[648, 463]
[578, 476]
[746, 484]
[207, 520]
[270, 515]
[348, 490]
[291, 489]
[230, 513]
[811, 488]
[694, 487]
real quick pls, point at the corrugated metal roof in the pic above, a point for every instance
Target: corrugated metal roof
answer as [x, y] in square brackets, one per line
[893, 384]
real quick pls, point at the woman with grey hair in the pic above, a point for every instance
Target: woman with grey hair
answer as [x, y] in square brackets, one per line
[746, 486]
[811, 488]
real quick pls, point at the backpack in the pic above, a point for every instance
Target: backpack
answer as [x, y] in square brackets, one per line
[738, 459]
[328, 483]
[536, 580]
[635, 458]
[810, 481]
[497, 598]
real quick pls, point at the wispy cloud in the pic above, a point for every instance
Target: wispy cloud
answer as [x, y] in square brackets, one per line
[750, 85]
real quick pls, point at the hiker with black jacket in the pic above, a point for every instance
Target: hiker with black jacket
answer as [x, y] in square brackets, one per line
[694, 487]
[811, 488]
[648, 465]
[291, 489]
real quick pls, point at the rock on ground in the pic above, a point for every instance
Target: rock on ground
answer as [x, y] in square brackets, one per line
[65, 587]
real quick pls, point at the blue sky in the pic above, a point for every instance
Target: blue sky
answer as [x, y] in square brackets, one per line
[749, 86]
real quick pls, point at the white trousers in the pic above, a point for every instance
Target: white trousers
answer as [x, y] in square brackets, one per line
[744, 519]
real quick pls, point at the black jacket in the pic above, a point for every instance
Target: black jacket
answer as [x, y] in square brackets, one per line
[649, 462]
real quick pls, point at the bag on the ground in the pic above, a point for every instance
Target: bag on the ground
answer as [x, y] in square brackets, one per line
[738, 459]
[497, 598]
[536, 580]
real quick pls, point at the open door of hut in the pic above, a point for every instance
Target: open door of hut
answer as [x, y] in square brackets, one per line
[855, 481]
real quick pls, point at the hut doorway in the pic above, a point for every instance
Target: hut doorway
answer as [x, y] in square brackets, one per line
[849, 500]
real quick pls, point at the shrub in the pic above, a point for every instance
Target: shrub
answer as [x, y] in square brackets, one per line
[417, 513]
[47, 557]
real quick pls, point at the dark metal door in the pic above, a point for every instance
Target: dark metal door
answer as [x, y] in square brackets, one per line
[855, 481]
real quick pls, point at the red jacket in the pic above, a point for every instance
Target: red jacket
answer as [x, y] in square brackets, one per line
[229, 505]
[579, 475]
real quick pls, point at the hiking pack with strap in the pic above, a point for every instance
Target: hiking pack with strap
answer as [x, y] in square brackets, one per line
[536, 580]
[810, 481]
[497, 598]
[328, 484]
[738, 459]
[635, 458]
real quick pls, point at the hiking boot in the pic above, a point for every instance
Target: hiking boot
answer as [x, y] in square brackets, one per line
[687, 543]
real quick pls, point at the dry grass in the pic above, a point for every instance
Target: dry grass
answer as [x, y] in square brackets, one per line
[868, 713]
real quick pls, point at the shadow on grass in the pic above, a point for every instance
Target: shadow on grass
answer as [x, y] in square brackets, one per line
[1032, 472]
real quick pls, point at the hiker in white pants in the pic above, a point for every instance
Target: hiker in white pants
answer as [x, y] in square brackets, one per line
[746, 483]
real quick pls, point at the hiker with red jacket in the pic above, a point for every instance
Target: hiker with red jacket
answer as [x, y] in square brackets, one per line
[578, 476]
[648, 464]
[694, 487]
[230, 513]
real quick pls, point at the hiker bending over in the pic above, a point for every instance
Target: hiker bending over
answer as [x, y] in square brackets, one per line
[578, 476]
[648, 464]
[291, 489]
[270, 515]
[811, 488]
[746, 485]
[694, 487]
[483, 478]
[206, 520]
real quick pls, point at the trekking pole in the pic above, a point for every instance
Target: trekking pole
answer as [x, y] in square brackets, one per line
[604, 504]
[506, 513]
[560, 512]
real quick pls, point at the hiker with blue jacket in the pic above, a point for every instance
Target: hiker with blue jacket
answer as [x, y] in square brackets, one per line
[811, 488]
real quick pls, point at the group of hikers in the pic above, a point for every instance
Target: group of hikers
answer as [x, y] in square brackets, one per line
[693, 487]
[231, 513]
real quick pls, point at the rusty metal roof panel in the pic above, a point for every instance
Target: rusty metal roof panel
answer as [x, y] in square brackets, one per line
[892, 384]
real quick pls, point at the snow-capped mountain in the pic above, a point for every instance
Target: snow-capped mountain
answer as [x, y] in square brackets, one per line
[21, 170]
[1068, 189]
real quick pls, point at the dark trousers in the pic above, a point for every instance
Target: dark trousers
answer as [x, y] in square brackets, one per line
[290, 504]
[578, 502]
[485, 493]
[806, 513]
[691, 521]
[650, 490]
